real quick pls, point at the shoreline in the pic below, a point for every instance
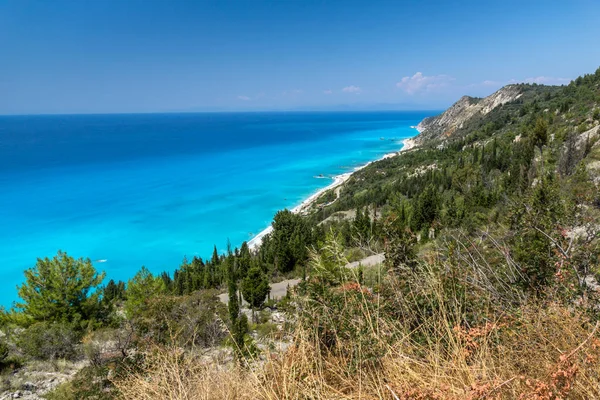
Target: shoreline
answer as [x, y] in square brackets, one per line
[338, 181]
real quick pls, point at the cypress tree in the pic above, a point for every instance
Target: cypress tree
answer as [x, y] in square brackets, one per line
[255, 288]
[215, 256]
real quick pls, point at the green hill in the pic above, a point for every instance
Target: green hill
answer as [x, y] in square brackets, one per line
[490, 230]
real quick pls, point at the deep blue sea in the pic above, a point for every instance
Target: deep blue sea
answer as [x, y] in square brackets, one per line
[149, 189]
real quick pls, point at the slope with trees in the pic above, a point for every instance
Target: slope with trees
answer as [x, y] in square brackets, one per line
[491, 232]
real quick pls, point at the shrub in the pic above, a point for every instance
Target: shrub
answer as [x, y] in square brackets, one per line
[185, 320]
[266, 329]
[355, 254]
[3, 353]
[89, 383]
[49, 341]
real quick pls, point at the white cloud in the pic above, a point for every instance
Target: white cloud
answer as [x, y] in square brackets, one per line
[491, 83]
[244, 98]
[327, 91]
[351, 89]
[423, 83]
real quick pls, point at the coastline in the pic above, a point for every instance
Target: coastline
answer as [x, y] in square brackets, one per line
[338, 181]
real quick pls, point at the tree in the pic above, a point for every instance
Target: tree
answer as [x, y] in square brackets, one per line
[238, 324]
[244, 260]
[451, 217]
[215, 257]
[290, 238]
[114, 291]
[426, 207]
[60, 289]
[540, 137]
[540, 132]
[568, 156]
[140, 288]
[362, 224]
[4, 350]
[534, 222]
[255, 287]
[399, 245]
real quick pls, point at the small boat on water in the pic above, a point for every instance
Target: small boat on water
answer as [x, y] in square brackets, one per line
[103, 260]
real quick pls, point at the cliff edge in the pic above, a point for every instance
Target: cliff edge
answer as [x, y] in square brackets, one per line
[454, 118]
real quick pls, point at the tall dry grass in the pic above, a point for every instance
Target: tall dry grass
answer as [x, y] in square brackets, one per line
[545, 353]
[450, 336]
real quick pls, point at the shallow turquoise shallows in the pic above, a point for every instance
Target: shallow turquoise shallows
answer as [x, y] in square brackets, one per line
[133, 190]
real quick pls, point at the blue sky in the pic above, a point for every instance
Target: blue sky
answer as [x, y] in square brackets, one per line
[108, 56]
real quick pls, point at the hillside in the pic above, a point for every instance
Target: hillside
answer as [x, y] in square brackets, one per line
[489, 136]
[490, 229]
[454, 118]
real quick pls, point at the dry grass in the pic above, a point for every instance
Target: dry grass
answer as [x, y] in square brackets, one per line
[545, 353]
[171, 374]
[452, 335]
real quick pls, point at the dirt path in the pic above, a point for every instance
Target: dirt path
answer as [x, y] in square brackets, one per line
[375, 259]
[278, 290]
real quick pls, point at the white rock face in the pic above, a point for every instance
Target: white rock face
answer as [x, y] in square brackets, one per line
[454, 118]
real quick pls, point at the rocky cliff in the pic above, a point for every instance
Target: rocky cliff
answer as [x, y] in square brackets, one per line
[455, 117]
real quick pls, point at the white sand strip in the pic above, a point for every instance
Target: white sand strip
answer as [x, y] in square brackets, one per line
[338, 180]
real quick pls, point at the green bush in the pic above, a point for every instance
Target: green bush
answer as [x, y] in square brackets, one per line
[89, 383]
[266, 329]
[263, 316]
[3, 352]
[355, 254]
[184, 320]
[49, 341]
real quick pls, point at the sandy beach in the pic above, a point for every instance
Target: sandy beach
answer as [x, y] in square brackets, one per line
[338, 180]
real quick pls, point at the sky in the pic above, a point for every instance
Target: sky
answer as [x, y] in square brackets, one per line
[128, 56]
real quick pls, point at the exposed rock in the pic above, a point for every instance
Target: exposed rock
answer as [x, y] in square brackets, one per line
[445, 124]
[37, 379]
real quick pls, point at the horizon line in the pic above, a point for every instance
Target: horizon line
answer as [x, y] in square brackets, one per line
[216, 112]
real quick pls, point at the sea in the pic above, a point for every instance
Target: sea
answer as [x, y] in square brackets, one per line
[132, 190]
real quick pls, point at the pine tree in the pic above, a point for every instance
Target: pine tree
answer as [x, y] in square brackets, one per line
[540, 137]
[168, 282]
[493, 163]
[426, 208]
[290, 238]
[255, 288]
[215, 256]
[535, 222]
[402, 218]
[140, 288]
[114, 291]
[237, 326]
[60, 289]
[244, 260]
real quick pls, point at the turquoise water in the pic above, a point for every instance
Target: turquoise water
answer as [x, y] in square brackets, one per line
[148, 189]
